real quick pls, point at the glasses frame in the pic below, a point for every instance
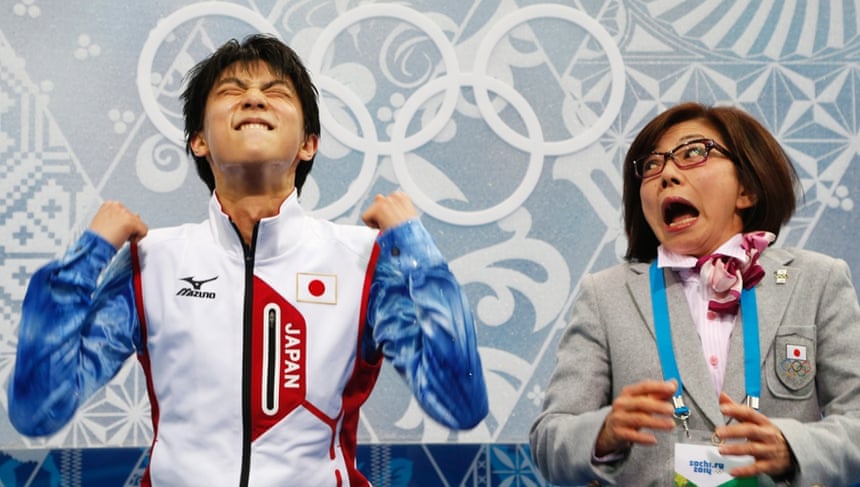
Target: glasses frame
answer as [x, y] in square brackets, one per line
[710, 144]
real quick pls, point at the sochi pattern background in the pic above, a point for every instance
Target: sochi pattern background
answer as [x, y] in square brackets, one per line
[505, 120]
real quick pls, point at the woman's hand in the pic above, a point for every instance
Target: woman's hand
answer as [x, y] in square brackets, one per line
[641, 406]
[764, 441]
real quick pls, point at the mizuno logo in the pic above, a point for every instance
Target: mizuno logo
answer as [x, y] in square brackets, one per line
[194, 291]
[196, 284]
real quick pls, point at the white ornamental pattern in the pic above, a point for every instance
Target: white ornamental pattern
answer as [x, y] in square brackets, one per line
[506, 121]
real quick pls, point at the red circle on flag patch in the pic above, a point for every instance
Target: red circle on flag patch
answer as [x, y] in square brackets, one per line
[316, 288]
[797, 352]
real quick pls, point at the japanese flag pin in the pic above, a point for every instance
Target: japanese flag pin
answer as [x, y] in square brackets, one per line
[781, 276]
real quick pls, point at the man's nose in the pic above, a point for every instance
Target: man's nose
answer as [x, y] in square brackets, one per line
[254, 98]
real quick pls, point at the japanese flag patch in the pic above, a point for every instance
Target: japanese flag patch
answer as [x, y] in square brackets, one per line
[795, 352]
[316, 288]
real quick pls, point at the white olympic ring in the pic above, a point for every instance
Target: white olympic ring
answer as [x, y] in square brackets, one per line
[616, 63]
[160, 32]
[449, 57]
[371, 153]
[478, 217]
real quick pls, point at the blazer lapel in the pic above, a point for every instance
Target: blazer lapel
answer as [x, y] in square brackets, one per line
[639, 285]
[696, 379]
[698, 385]
[772, 295]
[734, 382]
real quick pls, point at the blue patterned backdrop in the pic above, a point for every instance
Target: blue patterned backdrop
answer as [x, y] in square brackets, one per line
[505, 120]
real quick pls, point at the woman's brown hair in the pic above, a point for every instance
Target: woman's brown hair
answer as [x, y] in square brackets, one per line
[764, 170]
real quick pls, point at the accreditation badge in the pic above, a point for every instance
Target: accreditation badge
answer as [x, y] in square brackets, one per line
[698, 463]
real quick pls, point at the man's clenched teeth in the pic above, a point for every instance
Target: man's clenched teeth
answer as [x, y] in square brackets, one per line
[254, 126]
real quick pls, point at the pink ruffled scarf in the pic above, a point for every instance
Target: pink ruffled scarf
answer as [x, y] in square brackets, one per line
[726, 276]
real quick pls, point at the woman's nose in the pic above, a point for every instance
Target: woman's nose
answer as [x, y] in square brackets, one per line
[669, 175]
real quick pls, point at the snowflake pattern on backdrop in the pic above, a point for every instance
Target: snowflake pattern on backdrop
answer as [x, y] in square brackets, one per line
[426, 96]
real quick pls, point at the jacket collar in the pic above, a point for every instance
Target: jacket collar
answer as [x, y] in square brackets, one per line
[275, 236]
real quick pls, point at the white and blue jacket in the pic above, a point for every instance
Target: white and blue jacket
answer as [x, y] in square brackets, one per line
[257, 358]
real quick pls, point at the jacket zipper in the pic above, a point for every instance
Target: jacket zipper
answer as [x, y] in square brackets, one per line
[247, 320]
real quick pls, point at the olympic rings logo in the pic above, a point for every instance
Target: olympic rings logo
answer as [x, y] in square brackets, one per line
[796, 368]
[362, 136]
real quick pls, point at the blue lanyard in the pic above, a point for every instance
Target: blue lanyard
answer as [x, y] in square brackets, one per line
[663, 331]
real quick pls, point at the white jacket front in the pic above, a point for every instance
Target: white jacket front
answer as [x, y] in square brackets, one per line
[275, 329]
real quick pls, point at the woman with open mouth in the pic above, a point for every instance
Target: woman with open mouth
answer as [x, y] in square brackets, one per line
[709, 357]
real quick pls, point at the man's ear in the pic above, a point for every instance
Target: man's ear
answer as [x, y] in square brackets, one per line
[309, 147]
[198, 144]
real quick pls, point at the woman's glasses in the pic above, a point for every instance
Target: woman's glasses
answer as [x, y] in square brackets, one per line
[689, 154]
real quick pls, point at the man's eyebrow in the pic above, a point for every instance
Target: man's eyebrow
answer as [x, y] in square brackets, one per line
[242, 84]
[277, 82]
[231, 80]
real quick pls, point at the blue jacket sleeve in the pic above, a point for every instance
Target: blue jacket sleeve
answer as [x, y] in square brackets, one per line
[75, 333]
[422, 323]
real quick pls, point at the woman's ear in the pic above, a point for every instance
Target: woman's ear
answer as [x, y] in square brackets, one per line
[746, 199]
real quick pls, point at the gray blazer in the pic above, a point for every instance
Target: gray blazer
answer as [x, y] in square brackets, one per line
[610, 344]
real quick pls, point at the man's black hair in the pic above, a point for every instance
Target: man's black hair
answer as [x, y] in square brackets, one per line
[280, 58]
